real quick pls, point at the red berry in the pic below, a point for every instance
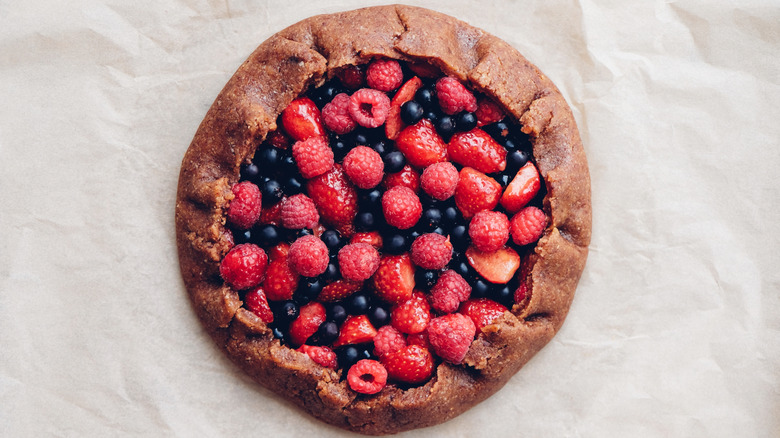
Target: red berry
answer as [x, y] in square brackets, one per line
[277, 139]
[407, 177]
[352, 76]
[321, 355]
[372, 238]
[358, 261]
[522, 189]
[384, 74]
[401, 207]
[338, 290]
[421, 144]
[451, 336]
[476, 192]
[454, 97]
[301, 119]
[521, 293]
[244, 266]
[355, 330]
[431, 251]
[388, 340]
[273, 214]
[335, 198]
[477, 149]
[528, 225]
[280, 281]
[393, 280]
[369, 108]
[488, 112]
[489, 230]
[449, 291]
[394, 124]
[440, 180]
[311, 316]
[244, 209]
[411, 316]
[335, 115]
[412, 364]
[482, 311]
[496, 267]
[420, 339]
[364, 167]
[257, 303]
[367, 376]
[308, 256]
[298, 212]
[313, 156]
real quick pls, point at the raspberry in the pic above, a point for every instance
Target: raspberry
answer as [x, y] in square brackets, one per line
[335, 115]
[528, 225]
[245, 207]
[257, 303]
[308, 256]
[388, 340]
[352, 76]
[364, 167]
[454, 97]
[401, 207]
[451, 336]
[489, 230]
[369, 107]
[367, 376]
[431, 251]
[313, 156]
[521, 293]
[440, 180]
[384, 74]
[449, 291]
[358, 261]
[244, 266]
[321, 355]
[299, 212]
[488, 112]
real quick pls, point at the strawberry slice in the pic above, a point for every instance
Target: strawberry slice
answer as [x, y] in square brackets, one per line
[335, 198]
[372, 238]
[413, 315]
[301, 119]
[257, 303]
[477, 149]
[482, 311]
[524, 186]
[320, 355]
[355, 330]
[394, 279]
[393, 124]
[338, 290]
[421, 144]
[497, 266]
[476, 192]
[407, 177]
[307, 323]
[280, 281]
[411, 364]
[273, 214]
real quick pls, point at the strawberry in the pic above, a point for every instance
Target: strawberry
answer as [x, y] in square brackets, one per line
[497, 266]
[411, 364]
[338, 290]
[308, 321]
[394, 125]
[320, 355]
[421, 144]
[394, 279]
[355, 330]
[413, 315]
[407, 177]
[301, 119]
[477, 149]
[524, 186]
[482, 311]
[273, 214]
[256, 302]
[335, 198]
[476, 192]
[280, 281]
[372, 238]
[420, 339]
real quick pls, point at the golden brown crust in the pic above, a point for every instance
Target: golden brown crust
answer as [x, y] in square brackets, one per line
[306, 54]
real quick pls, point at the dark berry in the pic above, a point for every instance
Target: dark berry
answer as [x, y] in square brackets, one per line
[331, 274]
[347, 356]
[515, 160]
[459, 237]
[365, 221]
[395, 243]
[285, 313]
[426, 98]
[411, 112]
[271, 192]
[250, 172]
[463, 268]
[325, 93]
[378, 316]
[425, 279]
[371, 200]
[361, 138]
[267, 158]
[327, 333]
[433, 116]
[445, 126]
[394, 162]
[332, 240]
[414, 235]
[439, 230]
[242, 236]
[504, 179]
[357, 304]
[381, 148]
[431, 218]
[278, 333]
[504, 294]
[292, 185]
[340, 149]
[450, 216]
[308, 289]
[287, 165]
[479, 288]
[499, 130]
[266, 235]
[510, 144]
[337, 313]
[466, 121]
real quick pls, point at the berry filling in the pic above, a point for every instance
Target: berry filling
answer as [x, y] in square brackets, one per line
[383, 226]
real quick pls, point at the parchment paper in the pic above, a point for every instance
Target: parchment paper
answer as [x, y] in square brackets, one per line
[676, 324]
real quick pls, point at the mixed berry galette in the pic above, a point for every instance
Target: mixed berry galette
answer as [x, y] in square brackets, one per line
[383, 216]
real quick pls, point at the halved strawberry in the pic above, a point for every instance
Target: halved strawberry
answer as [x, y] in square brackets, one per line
[407, 177]
[411, 364]
[497, 266]
[280, 281]
[308, 321]
[321, 355]
[338, 290]
[524, 186]
[421, 144]
[482, 311]
[477, 149]
[394, 279]
[335, 198]
[273, 214]
[393, 124]
[355, 330]
[476, 192]
[372, 238]
[257, 303]
[413, 315]
[301, 119]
